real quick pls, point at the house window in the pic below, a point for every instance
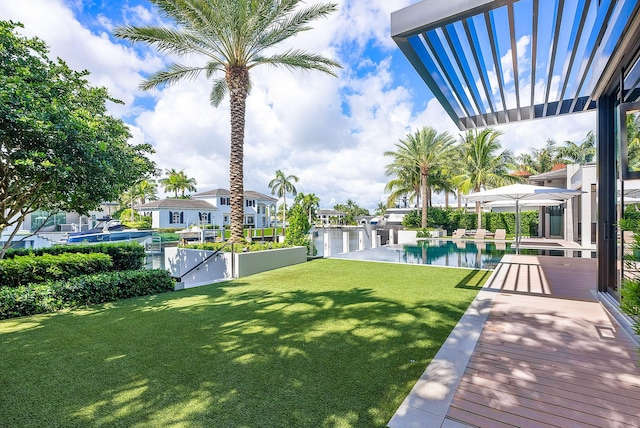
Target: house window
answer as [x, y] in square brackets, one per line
[250, 203]
[225, 201]
[225, 219]
[176, 217]
[249, 220]
[204, 217]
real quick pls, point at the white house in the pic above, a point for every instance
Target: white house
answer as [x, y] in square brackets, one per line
[328, 217]
[211, 207]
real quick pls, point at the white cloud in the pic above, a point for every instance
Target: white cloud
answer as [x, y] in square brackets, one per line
[330, 132]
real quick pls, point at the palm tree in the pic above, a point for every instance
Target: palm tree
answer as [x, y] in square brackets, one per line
[381, 209]
[280, 186]
[234, 36]
[310, 203]
[177, 181]
[483, 163]
[540, 160]
[139, 193]
[405, 185]
[427, 151]
[581, 153]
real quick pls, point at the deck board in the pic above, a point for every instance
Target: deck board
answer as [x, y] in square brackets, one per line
[549, 354]
[546, 353]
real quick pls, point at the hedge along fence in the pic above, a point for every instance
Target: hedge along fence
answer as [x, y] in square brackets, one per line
[125, 256]
[22, 270]
[82, 290]
[452, 219]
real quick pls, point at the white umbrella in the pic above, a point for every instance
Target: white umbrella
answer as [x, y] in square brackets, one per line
[519, 193]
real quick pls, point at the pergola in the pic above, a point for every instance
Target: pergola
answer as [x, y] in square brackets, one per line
[491, 62]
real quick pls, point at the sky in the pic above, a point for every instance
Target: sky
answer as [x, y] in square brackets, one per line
[329, 132]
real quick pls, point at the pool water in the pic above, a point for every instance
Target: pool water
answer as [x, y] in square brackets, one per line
[468, 254]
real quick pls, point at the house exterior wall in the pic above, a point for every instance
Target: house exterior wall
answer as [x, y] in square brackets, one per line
[165, 218]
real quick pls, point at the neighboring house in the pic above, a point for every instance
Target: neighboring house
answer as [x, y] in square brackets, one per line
[178, 213]
[328, 217]
[258, 207]
[212, 207]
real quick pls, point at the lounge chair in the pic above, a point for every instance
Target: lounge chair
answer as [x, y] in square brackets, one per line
[480, 234]
[458, 233]
[500, 234]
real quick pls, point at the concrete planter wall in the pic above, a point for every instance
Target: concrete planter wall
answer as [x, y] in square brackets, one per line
[188, 264]
[405, 236]
[260, 261]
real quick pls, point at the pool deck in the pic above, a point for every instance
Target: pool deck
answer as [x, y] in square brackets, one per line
[538, 347]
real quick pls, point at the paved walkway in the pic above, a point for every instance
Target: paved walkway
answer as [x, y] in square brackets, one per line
[536, 348]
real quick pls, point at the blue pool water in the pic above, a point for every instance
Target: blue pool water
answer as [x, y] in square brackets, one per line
[469, 254]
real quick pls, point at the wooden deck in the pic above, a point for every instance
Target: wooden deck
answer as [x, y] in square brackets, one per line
[549, 355]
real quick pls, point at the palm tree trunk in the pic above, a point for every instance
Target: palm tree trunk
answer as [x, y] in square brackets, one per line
[238, 81]
[446, 199]
[284, 214]
[424, 185]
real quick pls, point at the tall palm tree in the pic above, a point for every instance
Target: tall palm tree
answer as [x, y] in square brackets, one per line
[405, 185]
[425, 150]
[280, 186]
[483, 163]
[234, 36]
[170, 182]
[581, 153]
[310, 203]
[177, 181]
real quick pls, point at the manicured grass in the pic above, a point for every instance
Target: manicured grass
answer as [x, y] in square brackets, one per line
[328, 343]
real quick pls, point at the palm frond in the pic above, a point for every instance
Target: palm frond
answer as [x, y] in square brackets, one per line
[173, 74]
[293, 59]
[218, 92]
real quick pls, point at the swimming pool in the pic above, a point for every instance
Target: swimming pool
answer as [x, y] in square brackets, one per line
[468, 254]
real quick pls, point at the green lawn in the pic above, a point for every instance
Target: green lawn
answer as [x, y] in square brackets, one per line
[328, 343]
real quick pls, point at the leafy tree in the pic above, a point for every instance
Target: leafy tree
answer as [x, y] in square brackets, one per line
[582, 153]
[234, 36]
[59, 149]
[425, 150]
[177, 181]
[483, 163]
[633, 141]
[299, 226]
[280, 186]
[351, 210]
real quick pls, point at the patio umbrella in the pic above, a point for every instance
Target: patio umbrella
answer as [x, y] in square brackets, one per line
[519, 193]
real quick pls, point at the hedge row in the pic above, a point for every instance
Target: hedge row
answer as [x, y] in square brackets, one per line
[248, 246]
[23, 270]
[452, 219]
[125, 256]
[82, 290]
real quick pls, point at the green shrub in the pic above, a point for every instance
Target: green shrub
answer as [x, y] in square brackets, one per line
[452, 219]
[22, 270]
[125, 256]
[248, 246]
[82, 290]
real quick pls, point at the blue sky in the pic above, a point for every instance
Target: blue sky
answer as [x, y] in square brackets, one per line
[330, 132]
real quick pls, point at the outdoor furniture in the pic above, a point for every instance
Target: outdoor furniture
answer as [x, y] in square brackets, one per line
[500, 234]
[480, 234]
[458, 233]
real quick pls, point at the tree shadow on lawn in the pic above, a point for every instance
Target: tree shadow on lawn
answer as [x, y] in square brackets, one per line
[220, 356]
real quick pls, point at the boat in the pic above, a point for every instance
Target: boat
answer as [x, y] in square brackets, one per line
[108, 230]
